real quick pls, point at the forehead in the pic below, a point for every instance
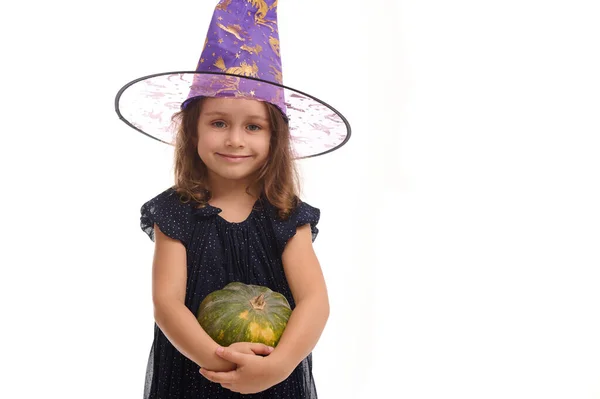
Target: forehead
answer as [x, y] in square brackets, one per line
[234, 107]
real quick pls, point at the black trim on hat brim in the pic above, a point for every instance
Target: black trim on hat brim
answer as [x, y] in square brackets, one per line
[118, 96]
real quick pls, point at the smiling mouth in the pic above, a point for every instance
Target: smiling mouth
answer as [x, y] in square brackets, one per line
[233, 156]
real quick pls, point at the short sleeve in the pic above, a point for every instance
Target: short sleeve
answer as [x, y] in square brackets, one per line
[302, 215]
[173, 217]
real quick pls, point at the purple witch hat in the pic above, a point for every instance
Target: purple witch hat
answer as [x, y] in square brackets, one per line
[240, 58]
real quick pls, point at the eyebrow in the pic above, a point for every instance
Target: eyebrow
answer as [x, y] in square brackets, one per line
[218, 113]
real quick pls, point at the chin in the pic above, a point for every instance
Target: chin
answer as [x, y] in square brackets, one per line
[232, 174]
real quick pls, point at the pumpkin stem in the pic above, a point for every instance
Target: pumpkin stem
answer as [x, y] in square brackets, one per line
[258, 302]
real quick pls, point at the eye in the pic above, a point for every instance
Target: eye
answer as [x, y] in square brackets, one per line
[254, 128]
[218, 124]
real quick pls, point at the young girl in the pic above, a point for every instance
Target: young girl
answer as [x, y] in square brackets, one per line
[234, 213]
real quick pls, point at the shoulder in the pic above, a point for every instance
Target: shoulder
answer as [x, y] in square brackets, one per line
[169, 201]
[307, 213]
[301, 211]
[172, 214]
[304, 215]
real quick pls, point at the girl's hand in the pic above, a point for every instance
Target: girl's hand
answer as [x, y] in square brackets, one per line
[251, 348]
[253, 373]
[248, 348]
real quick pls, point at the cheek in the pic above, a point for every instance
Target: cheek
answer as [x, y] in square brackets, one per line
[265, 143]
[206, 143]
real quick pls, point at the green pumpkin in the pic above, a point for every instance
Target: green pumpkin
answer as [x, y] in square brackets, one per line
[244, 313]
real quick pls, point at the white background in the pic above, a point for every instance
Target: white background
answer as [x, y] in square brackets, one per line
[460, 225]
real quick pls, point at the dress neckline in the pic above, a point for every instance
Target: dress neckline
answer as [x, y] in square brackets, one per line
[217, 212]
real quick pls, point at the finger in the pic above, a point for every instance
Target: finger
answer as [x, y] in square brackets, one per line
[232, 355]
[261, 349]
[228, 386]
[220, 377]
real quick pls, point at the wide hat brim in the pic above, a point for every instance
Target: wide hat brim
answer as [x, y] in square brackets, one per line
[147, 104]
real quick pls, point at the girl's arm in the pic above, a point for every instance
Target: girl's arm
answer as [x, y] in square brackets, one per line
[304, 328]
[169, 274]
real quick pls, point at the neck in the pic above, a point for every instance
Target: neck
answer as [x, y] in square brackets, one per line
[232, 190]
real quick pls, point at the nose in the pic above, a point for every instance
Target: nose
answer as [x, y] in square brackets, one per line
[235, 137]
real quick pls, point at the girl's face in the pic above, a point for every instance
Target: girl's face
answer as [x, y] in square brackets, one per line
[233, 137]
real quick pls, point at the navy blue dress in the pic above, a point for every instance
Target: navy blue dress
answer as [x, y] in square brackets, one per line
[220, 252]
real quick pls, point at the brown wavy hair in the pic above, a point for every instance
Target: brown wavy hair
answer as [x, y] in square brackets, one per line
[277, 179]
